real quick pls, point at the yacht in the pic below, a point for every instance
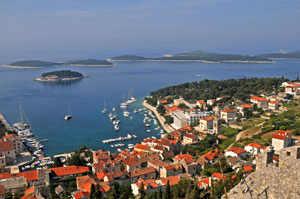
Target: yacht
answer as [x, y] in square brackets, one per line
[126, 113]
[67, 117]
[116, 127]
[104, 109]
[147, 125]
[148, 130]
[135, 111]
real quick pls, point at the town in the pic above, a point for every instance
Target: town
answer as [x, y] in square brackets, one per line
[214, 148]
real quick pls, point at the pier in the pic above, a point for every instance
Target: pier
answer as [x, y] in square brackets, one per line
[5, 123]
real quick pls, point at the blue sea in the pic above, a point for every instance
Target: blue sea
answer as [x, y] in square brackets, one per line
[46, 104]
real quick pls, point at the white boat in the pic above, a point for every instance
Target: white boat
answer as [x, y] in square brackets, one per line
[67, 117]
[147, 125]
[116, 127]
[131, 117]
[44, 140]
[148, 130]
[104, 109]
[119, 150]
[135, 111]
[126, 113]
[113, 109]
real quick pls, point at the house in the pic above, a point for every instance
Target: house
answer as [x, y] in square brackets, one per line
[260, 102]
[206, 123]
[7, 153]
[248, 169]
[235, 152]
[150, 186]
[131, 164]
[190, 103]
[189, 138]
[281, 139]
[141, 148]
[253, 148]
[212, 156]
[80, 195]
[166, 171]
[146, 173]
[228, 115]
[204, 183]
[218, 176]
[172, 180]
[18, 144]
[187, 162]
[68, 171]
[201, 104]
[211, 102]
[179, 119]
[121, 177]
[273, 105]
[242, 108]
[101, 156]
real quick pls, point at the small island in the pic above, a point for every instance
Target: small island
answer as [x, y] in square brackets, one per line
[62, 75]
[88, 62]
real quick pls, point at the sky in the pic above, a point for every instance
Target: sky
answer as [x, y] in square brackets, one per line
[75, 29]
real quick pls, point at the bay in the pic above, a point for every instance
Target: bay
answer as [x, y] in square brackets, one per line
[45, 104]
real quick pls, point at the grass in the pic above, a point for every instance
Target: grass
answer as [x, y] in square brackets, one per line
[229, 132]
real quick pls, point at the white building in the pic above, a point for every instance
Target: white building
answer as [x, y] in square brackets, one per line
[281, 139]
[235, 152]
[253, 148]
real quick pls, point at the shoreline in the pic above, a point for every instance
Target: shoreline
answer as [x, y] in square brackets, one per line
[196, 61]
[21, 67]
[161, 120]
[40, 79]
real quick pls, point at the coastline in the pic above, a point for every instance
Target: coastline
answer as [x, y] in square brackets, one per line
[21, 67]
[85, 65]
[40, 79]
[161, 120]
[196, 61]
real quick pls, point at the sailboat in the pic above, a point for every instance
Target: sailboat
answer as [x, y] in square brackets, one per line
[68, 116]
[104, 109]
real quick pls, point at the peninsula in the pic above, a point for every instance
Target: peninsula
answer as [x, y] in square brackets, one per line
[43, 64]
[198, 56]
[284, 55]
[62, 75]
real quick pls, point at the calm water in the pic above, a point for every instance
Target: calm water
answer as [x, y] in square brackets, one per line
[46, 104]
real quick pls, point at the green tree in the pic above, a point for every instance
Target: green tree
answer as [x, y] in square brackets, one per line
[93, 192]
[168, 191]
[98, 193]
[160, 194]
[142, 192]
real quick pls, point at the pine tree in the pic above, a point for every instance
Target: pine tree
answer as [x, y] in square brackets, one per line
[168, 191]
[98, 193]
[142, 192]
[195, 193]
[160, 195]
[92, 192]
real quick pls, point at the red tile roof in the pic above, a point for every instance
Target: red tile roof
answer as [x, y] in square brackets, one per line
[236, 150]
[173, 180]
[248, 168]
[275, 158]
[254, 145]
[213, 154]
[189, 135]
[281, 135]
[207, 118]
[246, 106]
[163, 101]
[273, 102]
[5, 175]
[160, 148]
[7, 146]
[169, 167]
[141, 147]
[204, 181]
[227, 110]
[29, 175]
[218, 175]
[140, 172]
[174, 108]
[29, 191]
[258, 98]
[187, 157]
[131, 161]
[81, 194]
[201, 102]
[69, 170]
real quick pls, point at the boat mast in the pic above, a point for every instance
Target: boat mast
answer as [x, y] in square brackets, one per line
[21, 114]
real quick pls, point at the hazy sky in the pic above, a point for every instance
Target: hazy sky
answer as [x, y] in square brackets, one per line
[64, 29]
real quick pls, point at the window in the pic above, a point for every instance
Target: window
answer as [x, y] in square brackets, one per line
[288, 153]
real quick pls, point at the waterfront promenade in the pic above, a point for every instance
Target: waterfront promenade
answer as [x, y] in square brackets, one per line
[161, 119]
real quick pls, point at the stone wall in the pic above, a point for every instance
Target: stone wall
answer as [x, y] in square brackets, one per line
[269, 180]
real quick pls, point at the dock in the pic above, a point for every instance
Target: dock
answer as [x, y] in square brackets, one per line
[161, 120]
[5, 123]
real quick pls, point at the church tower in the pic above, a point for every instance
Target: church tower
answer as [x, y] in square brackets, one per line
[216, 122]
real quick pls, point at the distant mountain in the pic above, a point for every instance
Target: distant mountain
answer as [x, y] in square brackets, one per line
[282, 55]
[33, 63]
[196, 56]
[128, 58]
[89, 62]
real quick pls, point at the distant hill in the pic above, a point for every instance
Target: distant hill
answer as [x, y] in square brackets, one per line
[285, 55]
[33, 63]
[128, 57]
[89, 62]
[196, 56]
